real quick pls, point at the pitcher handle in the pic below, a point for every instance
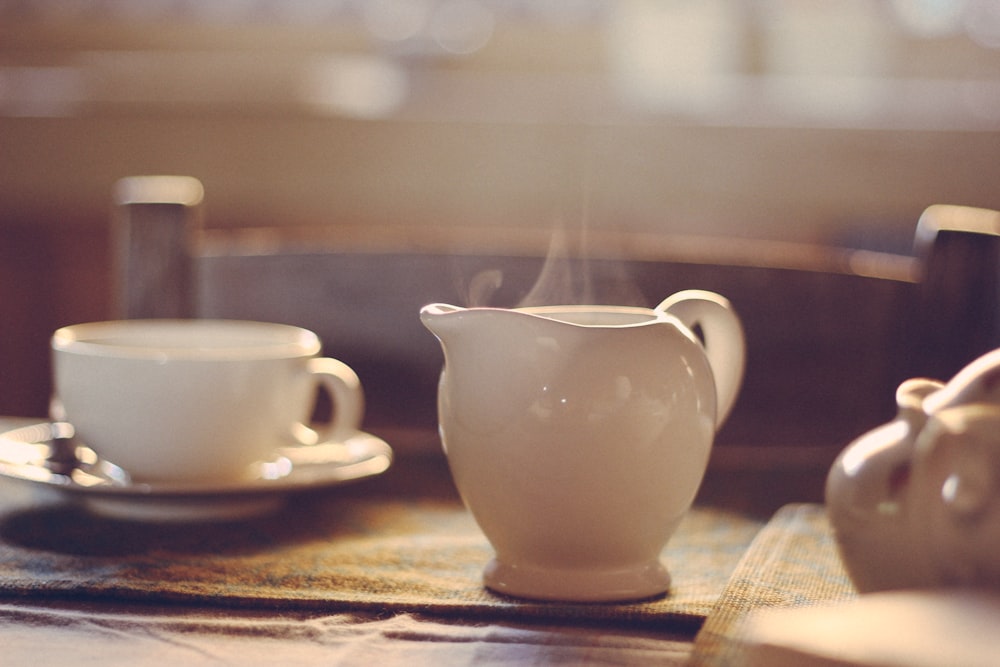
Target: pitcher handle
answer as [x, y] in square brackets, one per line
[723, 340]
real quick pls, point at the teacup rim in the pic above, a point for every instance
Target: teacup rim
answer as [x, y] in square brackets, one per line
[82, 339]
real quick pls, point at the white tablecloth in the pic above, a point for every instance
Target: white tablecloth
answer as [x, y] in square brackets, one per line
[66, 634]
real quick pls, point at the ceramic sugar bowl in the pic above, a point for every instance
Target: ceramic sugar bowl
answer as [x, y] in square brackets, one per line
[915, 503]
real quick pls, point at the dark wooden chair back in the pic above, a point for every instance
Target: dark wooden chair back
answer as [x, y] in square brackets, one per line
[830, 331]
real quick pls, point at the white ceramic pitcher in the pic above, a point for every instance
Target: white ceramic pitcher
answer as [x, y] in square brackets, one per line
[579, 435]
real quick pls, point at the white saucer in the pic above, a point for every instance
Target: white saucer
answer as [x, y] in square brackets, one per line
[45, 455]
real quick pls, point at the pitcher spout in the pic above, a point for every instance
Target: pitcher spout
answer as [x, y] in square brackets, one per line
[441, 319]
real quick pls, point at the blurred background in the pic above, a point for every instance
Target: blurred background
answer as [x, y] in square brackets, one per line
[823, 121]
[772, 118]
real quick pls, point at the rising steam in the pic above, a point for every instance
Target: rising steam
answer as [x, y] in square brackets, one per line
[570, 274]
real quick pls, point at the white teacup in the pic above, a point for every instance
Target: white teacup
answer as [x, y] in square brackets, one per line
[197, 400]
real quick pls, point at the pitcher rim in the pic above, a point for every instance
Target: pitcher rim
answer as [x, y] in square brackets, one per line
[640, 315]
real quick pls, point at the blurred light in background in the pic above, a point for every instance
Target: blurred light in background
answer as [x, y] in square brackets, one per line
[822, 63]
[684, 56]
[728, 116]
[355, 86]
[982, 22]
[826, 60]
[929, 18]
[462, 26]
[396, 20]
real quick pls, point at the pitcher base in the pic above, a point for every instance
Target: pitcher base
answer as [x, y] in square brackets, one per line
[577, 584]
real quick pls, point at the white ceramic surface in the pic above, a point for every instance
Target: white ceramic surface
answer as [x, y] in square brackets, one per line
[579, 435]
[916, 503]
[27, 454]
[892, 629]
[183, 400]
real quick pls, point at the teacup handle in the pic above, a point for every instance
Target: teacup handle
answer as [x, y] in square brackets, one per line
[344, 388]
[724, 342]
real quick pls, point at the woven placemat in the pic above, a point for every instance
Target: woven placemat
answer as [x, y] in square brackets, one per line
[792, 562]
[334, 551]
